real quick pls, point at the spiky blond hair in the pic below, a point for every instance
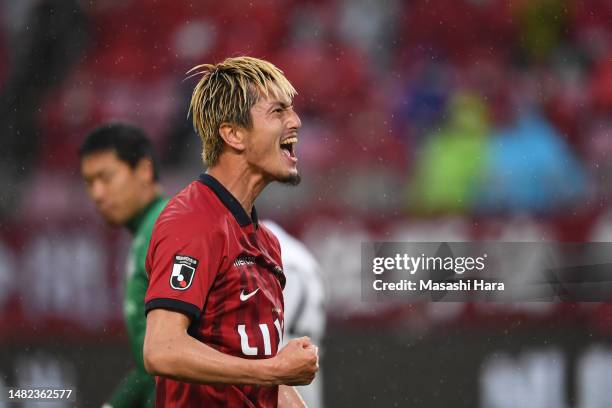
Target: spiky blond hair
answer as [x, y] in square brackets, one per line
[226, 93]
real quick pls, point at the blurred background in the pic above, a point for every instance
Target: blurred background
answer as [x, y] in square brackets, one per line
[423, 120]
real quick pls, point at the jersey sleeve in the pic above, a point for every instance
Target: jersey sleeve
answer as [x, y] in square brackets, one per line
[182, 263]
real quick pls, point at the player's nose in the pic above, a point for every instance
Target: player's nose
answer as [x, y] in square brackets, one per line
[97, 192]
[294, 120]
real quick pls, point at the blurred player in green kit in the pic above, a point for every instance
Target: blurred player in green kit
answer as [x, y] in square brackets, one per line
[121, 175]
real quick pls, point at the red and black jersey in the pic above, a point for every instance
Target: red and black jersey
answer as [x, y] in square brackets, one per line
[212, 261]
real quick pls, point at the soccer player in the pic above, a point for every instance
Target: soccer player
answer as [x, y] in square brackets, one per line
[304, 295]
[215, 312]
[120, 171]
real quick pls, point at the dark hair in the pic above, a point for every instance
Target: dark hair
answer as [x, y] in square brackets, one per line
[128, 142]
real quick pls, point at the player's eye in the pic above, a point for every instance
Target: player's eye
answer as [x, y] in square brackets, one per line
[106, 177]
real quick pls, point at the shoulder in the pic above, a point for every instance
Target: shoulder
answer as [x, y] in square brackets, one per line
[193, 224]
[143, 234]
[193, 210]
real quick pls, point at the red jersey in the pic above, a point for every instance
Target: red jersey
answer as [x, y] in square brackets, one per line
[212, 261]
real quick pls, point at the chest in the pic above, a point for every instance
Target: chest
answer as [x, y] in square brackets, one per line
[251, 274]
[244, 311]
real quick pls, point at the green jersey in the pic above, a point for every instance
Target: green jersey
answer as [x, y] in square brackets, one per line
[138, 388]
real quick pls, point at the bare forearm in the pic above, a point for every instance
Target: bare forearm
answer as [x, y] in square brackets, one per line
[189, 360]
[170, 352]
[288, 397]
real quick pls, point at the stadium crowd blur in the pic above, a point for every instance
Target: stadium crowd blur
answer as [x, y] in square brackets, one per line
[493, 113]
[422, 120]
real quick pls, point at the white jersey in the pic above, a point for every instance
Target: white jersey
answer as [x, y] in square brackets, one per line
[304, 296]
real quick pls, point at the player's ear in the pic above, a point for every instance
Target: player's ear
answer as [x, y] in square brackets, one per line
[233, 135]
[144, 170]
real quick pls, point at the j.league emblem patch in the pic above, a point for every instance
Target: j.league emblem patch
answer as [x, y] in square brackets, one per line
[183, 269]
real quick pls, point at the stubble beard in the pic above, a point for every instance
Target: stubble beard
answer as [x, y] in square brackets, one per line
[292, 179]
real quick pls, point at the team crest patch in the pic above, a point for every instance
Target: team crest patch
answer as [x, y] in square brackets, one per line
[183, 269]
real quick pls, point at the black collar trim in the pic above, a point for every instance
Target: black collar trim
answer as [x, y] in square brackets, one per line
[229, 201]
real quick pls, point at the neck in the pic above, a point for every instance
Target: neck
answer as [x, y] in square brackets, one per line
[148, 198]
[240, 180]
[150, 195]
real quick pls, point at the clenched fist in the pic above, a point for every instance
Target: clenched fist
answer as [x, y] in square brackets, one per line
[297, 362]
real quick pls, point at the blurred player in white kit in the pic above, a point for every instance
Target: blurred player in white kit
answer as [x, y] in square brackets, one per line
[304, 295]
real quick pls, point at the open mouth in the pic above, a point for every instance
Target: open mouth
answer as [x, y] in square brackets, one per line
[287, 146]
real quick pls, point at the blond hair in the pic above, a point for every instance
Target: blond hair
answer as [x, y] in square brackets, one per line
[226, 93]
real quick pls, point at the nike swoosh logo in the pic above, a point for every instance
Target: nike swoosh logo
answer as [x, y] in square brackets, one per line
[244, 296]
